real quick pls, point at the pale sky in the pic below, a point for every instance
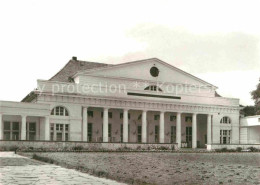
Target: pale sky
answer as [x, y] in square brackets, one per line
[217, 41]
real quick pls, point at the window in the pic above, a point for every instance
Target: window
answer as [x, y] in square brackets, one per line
[139, 133]
[156, 133]
[11, 130]
[121, 133]
[172, 118]
[225, 136]
[59, 132]
[110, 130]
[189, 135]
[173, 134]
[90, 114]
[188, 119]
[31, 131]
[156, 117]
[225, 120]
[122, 115]
[59, 111]
[153, 88]
[258, 119]
[140, 117]
[90, 132]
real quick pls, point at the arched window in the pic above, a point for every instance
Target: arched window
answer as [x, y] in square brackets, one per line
[153, 88]
[59, 111]
[225, 120]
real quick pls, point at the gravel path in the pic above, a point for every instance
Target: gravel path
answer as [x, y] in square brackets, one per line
[15, 169]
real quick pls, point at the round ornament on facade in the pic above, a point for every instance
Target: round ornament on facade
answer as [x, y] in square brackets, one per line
[154, 71]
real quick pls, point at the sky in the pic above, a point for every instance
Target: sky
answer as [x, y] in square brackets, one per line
[217, 41]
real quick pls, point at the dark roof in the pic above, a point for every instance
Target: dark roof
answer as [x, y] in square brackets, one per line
[72, 67]
[217, 95]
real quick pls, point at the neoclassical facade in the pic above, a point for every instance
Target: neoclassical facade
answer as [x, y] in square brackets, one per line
[146, 101]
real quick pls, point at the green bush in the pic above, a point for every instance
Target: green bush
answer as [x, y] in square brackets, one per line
[239, 149]
[77, 148]
[253, 149]
[163, 148]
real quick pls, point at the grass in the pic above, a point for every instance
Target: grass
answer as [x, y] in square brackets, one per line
[163, 168]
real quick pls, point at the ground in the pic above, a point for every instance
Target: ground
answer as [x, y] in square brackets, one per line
[166, 168]
[15, 169]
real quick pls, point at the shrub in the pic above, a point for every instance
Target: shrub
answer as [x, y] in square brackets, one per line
[253, 149]
[163, 148]
[78, 148]
[138, 148]
[239, 149]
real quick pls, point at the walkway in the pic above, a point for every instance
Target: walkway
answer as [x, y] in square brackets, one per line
[15, 169]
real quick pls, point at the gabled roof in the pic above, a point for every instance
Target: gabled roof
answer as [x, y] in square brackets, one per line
[72, 67]
[139, 61]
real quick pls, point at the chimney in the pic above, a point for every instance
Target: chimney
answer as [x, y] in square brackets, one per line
[74, 58]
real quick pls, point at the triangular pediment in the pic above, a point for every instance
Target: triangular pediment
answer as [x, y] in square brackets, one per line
[141, 70]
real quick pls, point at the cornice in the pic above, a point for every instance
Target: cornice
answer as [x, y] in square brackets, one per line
[144, 105]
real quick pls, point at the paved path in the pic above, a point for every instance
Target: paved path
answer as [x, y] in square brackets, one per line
[15, 169]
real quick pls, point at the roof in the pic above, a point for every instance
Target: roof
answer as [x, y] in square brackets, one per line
[72, 67]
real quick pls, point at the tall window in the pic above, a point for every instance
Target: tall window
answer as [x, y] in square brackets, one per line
[153, 88]
[90, 132]
[121, 132]
[110, 131]
[139, 133]
[156, 133]
[60, 111]
[225, 136]
[11, 130]
[173, 134]
[31, 131]
[59, 132]
[189, 135]
[225, 120]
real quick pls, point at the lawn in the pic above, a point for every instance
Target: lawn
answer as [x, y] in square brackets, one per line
[166, 168]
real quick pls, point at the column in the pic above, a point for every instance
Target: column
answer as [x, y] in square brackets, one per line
[54, 132]
[105, 125]
[23, 128]
[178, 129]
[144, 127]
[1, 127]
[194, 130]
[209, 129]
[47, 128]
[161, 127]
[63, 132]
[85, 124]
[125, 126]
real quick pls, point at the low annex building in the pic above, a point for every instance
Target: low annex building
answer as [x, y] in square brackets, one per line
[146, 101]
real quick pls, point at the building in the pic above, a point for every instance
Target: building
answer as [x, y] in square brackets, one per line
[250, 130]
[146, 101]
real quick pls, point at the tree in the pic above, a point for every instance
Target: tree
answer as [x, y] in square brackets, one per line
[256, 97]
[248, 111]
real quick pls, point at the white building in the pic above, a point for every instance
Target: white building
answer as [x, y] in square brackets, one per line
[250, 130]
[146, 101]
